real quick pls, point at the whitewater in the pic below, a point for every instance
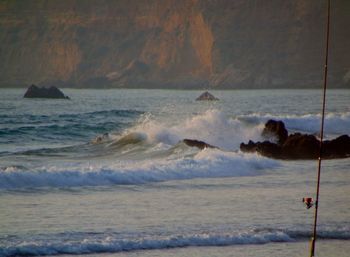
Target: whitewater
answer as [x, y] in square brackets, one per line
[106, 173]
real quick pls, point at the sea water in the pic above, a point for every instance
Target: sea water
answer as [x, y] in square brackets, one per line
[106, 173]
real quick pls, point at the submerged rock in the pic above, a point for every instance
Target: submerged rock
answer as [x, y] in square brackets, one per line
[197, 143]
[100, 138]
[42, 92]
[206, 96]
[297, 146]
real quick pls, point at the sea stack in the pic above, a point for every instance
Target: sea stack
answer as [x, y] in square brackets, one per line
[43, 92]
[206, 96]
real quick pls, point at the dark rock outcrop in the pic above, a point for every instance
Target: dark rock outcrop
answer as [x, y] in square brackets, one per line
[337, 147]
[206, 96]
[42, 92]
[197, 143]
[297, 146]
[301, 146]
[275, 129]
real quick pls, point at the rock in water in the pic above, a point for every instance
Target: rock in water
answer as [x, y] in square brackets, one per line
[275, 129]
[206, 96]
[296, 146]
[337, 148]
[197, 143]
[301, 146]
[42, 92]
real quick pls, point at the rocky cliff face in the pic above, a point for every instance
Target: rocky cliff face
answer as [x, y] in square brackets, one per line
[172, 43]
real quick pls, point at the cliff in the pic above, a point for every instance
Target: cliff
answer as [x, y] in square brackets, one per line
[172, 43]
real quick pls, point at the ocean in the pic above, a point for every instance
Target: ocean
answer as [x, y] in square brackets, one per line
[106, 174]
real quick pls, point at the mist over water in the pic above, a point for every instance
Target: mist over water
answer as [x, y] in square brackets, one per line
[121, 151]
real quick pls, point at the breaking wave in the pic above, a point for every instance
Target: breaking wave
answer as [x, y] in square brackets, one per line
[209, 163]
[213, 127]
[152, 151]
[94, 243]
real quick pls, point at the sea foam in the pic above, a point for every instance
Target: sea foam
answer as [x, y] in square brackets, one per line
[213, 127]
[209, 163]
[95, 243]
[151, 151]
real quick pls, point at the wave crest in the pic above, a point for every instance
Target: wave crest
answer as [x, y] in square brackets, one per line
[209, 163]
[112, 243]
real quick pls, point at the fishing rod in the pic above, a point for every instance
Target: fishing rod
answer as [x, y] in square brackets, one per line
[313, 239]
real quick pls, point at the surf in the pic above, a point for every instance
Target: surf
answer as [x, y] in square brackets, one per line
[151, 150]
[110, 242]
[208, 163]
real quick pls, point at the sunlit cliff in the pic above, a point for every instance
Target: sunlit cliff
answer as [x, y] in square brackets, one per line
[172, 43]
